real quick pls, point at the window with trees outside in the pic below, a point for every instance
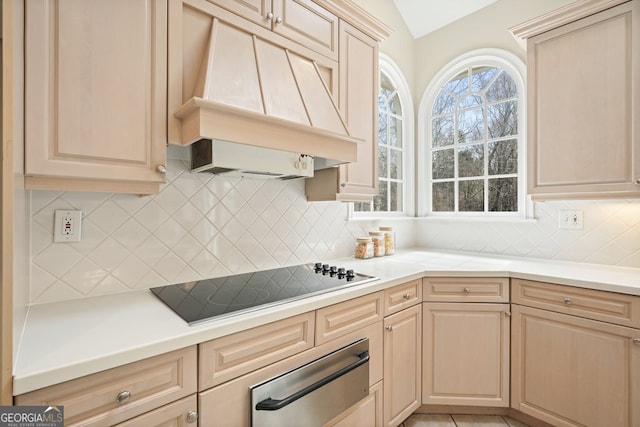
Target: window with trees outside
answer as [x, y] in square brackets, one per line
[475, 143]
[395, 113]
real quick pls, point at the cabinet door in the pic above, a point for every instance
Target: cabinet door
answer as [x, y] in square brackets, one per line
[95, 95]
[307, 23]
[358, 100]
[255, 11]
[402, 365]
[584, 101]
[465, 351]
[359, 103]
[570, 371]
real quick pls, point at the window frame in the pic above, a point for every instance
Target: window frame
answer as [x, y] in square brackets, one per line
[481, 57]
[395, 75]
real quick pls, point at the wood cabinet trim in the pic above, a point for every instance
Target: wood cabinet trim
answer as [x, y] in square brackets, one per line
[561, 16]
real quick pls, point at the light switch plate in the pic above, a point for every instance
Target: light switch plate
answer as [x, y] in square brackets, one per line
[572, 220]
[67, 226]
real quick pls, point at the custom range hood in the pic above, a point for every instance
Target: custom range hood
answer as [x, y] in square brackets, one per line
[239, 87]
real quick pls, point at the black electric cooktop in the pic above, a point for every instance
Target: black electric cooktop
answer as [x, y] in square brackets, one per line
[220, 297]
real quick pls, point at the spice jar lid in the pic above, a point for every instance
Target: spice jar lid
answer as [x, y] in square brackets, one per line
[376, 233]
[385, 228]
[364, 239]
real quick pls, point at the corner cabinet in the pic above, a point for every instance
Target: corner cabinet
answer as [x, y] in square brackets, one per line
[583, 78]
[358, 101]
[95, 95]
[570, 366]
[465, 342]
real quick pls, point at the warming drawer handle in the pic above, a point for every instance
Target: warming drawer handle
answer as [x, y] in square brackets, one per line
[270, 404]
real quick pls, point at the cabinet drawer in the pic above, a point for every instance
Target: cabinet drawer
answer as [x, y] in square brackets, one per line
[181, 413]
[228, 357]
[91, 400]
[611, 307]
[402, 296]
[466, 289]
[348, 316]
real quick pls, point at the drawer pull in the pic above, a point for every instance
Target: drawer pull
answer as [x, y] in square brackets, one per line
[192, 417]
[636, 341]
[467, 290]
[389, 328]
[406, 296]
[568, 301]
[123, 397]
[507, 313]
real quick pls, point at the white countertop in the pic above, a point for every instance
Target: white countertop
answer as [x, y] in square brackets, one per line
[70, 339]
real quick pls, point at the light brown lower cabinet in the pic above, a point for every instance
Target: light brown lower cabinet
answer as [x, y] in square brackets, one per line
[465, 354]
[572, 371]
[116, 395]
[402, 364]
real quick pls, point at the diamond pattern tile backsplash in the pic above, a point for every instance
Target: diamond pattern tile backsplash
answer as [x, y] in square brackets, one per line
[198, 226]
[204, 226]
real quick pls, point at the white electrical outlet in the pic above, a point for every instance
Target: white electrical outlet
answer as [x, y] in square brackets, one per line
[572, 220]
[67, 226]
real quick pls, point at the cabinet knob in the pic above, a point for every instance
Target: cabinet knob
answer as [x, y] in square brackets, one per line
[278, 20]
[269, 16]
[638, 181]
[467, 290]
[568, 301]
[344, 184]
[636, 341]
[123, 397]
[389, 328]
[161, 169]
[507, 313]
[192, 417]
[406, 296]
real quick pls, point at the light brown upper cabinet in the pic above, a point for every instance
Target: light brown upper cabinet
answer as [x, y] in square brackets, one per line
[583, 101]
[302, 21]
[358, 96]
[95, 95]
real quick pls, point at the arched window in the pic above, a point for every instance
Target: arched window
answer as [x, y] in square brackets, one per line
[395, 146]
[473, 114]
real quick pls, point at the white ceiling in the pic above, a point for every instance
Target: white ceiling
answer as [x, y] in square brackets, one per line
[425, 16]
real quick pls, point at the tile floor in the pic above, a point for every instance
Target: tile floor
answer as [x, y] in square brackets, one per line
[439, 420]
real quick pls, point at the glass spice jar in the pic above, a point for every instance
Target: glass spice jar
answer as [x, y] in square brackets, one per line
[389, 240]
[364, 248]
[378, 242]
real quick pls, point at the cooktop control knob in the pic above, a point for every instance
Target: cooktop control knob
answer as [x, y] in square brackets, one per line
[317, 267]
[325, 268]
[333, 270]
[350, 275]
[341, 272]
